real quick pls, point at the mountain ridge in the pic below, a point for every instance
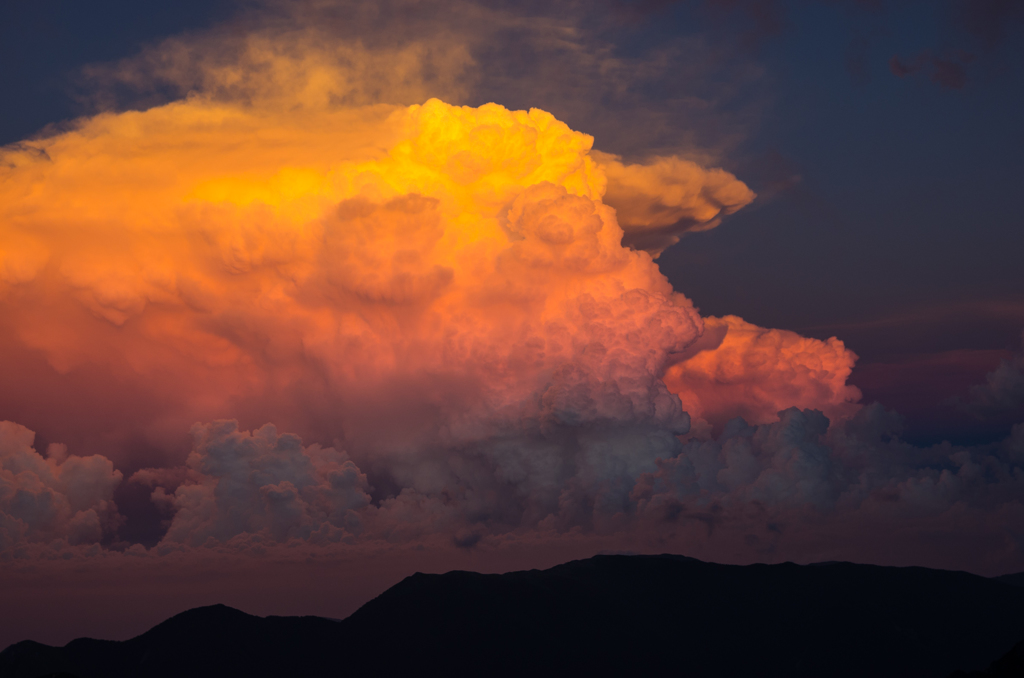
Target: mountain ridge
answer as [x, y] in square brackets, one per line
[603, 614]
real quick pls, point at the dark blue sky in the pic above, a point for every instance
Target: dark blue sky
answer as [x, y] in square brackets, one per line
[889, 211]
[904, 234]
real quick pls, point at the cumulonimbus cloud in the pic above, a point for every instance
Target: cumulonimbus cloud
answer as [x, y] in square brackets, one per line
[362, 251]
[438, 302]
[435, 278]
[440, 290]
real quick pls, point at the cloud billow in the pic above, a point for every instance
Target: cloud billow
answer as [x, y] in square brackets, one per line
[456, 289]
[60, 497]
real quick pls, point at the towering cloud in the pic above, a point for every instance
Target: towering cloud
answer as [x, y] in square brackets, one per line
[441, 289]
[453, 311]
[455, 263]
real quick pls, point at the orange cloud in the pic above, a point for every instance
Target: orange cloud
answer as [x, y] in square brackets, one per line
[444, 294]
[659, 202]
[456, 311]
[738, 369]
[455, 263]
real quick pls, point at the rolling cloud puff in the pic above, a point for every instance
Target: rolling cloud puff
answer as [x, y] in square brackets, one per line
[58, 497]
[737, 369]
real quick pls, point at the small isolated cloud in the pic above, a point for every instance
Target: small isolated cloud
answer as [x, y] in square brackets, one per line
[901, 69]
[947, 72]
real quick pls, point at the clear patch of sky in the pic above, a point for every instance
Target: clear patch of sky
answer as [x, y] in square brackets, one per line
[904, 233]
[907, 189]
[44, 43]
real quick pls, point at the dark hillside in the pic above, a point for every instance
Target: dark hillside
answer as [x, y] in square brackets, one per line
[608, 614]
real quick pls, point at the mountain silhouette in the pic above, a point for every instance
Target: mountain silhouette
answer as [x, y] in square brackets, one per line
[1010, 665]
[1016, 579]
[609, 614]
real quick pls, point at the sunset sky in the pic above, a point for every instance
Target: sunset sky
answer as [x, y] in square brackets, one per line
[299, 298]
